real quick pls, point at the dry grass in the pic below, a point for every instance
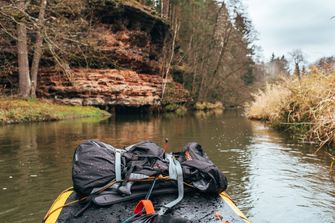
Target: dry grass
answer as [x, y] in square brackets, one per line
[206, 106]
[306, 107]
[268, 103]
[13, 110]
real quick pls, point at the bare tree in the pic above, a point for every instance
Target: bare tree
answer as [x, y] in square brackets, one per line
[221, 36]
[22, 50]
[16, 13]
[169, 62]
[213, 48]
[297, 58]
[165, 8]
[37, 48]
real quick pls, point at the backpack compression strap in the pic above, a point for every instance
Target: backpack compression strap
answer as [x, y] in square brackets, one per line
[118, 176]
[118, 154]
[176, 173]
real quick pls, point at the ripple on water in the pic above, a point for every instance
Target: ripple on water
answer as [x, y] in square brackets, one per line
[270, 180]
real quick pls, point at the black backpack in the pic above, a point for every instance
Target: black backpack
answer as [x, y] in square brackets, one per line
[145, 158]
[95, 164]
[200, 170]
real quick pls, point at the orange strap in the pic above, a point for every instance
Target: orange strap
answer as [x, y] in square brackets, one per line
[146, 205]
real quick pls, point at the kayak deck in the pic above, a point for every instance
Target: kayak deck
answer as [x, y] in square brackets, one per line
[195, 206]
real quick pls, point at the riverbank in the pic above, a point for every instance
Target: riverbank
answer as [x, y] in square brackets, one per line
[305, 108]
[181, 109]
[14, 110]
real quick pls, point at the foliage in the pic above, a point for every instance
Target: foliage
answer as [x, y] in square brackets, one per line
[174, 94]
[182, 110]
[171, 107]
[176, 108]
[205, 106]
[14, 110]
[303, 106]
[277, 66]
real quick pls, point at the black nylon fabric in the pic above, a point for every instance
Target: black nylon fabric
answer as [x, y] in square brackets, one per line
[93, 166]
[146, 158]
[201, 171]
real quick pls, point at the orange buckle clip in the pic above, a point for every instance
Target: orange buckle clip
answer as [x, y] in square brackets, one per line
[146, 205]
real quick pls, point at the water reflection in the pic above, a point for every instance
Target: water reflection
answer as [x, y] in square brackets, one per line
[289, 182]
[271, 178]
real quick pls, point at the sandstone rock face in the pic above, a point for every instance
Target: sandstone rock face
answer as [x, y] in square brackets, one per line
[102, 87]
[120, 64]
[127, 45]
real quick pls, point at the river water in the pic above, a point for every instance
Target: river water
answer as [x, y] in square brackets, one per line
[271, 178]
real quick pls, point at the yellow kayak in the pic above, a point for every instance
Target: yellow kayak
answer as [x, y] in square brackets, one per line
[195, 207]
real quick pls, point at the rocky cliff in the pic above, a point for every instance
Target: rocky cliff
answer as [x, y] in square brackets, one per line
[119, 61]
[99, 87]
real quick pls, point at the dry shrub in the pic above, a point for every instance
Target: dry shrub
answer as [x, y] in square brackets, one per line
[305, 106]
[206, 106]
[268, 103]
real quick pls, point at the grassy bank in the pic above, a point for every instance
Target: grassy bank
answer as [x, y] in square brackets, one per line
[14, 110]
[181, 109]
[303, 107]
[175, 108]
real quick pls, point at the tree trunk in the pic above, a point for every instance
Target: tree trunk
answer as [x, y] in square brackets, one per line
[212, 42]
[37, 48]
[167, 71]
[165, 8]
[220, 59]
[22, 50]
[297, 70]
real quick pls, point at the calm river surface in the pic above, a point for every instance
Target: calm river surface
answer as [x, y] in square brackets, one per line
[272, 179]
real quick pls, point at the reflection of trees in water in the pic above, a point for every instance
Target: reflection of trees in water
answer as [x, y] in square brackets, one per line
[46, 149]
[230, 137]
[206, 114]
[20, 169]
[288, 175]
[286, 142]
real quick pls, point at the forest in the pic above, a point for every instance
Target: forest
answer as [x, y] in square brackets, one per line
[209, 49]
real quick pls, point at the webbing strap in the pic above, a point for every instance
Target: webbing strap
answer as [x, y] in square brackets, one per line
[172, 166]
[118, 176]
[108, 146]
[126, 189]
[176, 168]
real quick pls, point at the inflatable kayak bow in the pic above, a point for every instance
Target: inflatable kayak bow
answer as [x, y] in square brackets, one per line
[142, 183]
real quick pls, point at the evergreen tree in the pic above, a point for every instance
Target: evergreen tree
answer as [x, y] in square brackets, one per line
[297, 70]
[273, 57]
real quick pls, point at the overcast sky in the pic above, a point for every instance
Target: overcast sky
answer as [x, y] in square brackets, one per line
[285, 25]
